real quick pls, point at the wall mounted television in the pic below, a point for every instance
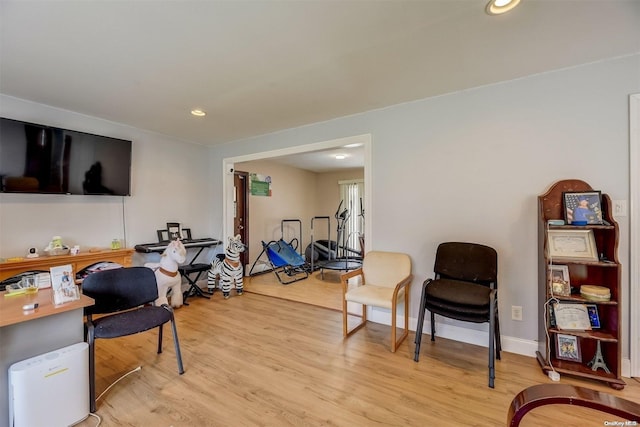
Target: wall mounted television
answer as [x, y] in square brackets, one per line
[44, 159]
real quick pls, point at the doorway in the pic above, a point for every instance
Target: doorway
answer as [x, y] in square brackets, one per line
[241, 211]
[634, 220]
[229, 184]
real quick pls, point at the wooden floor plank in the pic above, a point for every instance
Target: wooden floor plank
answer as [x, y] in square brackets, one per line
[322, 289]
[255, 360]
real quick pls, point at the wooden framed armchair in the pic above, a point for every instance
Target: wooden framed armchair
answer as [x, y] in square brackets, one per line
[385, 279]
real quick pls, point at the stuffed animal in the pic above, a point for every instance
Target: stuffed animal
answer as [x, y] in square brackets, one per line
[229, 268]
[167, 275]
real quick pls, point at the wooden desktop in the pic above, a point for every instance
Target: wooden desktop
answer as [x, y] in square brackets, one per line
[24, 334]
[11, 311]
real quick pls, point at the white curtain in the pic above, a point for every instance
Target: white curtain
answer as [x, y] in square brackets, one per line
[352, 196]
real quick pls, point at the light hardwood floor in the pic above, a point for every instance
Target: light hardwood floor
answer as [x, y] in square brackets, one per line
[256, 360]
[322, 291]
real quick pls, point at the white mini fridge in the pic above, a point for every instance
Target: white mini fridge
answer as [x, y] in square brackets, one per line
[50, 390]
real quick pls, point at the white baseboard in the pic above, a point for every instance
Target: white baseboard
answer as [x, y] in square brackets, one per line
[456, 333]
[626, 367]
[509, 344]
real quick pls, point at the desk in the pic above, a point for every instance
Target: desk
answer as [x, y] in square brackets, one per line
[186, 269]
[78, 262]
[27, 334]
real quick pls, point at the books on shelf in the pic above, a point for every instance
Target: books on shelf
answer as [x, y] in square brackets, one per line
[63, 285]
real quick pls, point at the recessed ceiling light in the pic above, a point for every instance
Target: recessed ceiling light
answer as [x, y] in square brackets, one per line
[340, 156]
[198, 113]
[498, 7]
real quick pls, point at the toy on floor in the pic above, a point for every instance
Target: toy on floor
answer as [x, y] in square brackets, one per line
[167, 275]
[229, 268]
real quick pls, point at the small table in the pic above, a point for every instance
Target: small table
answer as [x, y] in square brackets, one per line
[186, 270]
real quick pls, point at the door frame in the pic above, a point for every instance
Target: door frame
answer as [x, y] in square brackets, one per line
[243, 193]
[634, 231]
[228, 168]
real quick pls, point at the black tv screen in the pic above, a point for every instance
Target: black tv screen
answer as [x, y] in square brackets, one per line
[43, 159]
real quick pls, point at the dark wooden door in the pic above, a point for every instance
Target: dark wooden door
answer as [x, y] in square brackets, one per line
[241, 210]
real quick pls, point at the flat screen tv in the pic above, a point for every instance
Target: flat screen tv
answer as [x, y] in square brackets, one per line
[43, 159]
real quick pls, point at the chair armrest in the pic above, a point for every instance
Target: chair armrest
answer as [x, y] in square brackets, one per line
[550, 394]
[402, 284]
[344, 278]
[405, 281]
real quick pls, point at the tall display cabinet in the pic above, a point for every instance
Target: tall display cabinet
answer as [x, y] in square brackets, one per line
[597, 351]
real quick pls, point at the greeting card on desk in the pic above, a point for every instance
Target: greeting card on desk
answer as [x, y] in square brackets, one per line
[63, 285]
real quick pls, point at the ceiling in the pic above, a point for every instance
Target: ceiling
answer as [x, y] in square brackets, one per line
[260, 66]
[323, 161]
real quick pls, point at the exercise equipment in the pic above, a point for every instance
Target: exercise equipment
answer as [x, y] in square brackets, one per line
[294, 244]
[287, 264]
[335, 255]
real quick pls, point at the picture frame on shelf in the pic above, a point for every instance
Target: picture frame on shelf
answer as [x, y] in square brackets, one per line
[568, 348]
[571, 317]
[559, 280]
[594, 318]
[582, 208]
[572, 245]
[186, 234]
[175, 230]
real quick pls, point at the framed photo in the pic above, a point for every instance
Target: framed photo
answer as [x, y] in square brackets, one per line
[175, 231]
[583, 208]
[63, 284]
[594, 319]
[559, 281]
[163, 235]
[568, 348]
[576, 245]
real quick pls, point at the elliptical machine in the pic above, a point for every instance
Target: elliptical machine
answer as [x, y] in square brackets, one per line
[336, 255]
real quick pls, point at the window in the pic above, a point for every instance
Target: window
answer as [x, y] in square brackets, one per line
[352, 196]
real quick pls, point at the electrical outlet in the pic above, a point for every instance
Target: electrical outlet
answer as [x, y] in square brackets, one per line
[620, 208]
[516, 312]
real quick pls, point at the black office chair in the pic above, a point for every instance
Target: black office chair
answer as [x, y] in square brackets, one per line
[124, 295]
[465, 288]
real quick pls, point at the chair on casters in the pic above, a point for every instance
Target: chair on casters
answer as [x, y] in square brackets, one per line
[385, 279]
[465, 288]
[122, 295]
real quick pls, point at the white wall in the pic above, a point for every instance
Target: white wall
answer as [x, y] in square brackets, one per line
[470, 165]
[465, 166]
[168, 184]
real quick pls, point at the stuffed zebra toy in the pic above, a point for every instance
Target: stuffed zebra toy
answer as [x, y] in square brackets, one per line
[228, 267]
